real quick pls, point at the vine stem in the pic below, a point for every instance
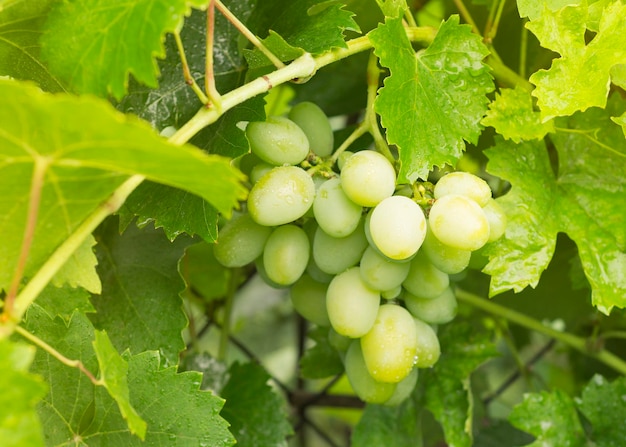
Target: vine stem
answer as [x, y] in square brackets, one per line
[57, 355]
[189, 80]
[52, 265]
[226, 321]
[575, 342]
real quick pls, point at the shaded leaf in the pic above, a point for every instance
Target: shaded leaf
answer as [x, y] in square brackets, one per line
[20, 392]
[140, 307]
[204, 276]
[388, 426]
[551, 418]
[580, 78]
[513, 117]
[604, 404]
[47, 148]
[321, 360]
[256, 413]
[434, 100]
[584, 201]
[133, 38]
[64, 301]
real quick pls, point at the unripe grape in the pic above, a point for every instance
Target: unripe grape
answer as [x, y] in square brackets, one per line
[281, 196]
[424, 279]
[309, 300]
[343, 157]
[278, 141]
[440, 310]
[315, 124]
[259, 170]
[240, 241]
[351, 305]
[334, 255]
[397, 227]
[391, 293]
[465, 184]
[367, 178]
[364, 385]
[448, 259]
[335, 213]
[380, 273]
[459, 222]
[390, 346]
[286, 254]
[497, 219]
[403, 390]
[428, 348]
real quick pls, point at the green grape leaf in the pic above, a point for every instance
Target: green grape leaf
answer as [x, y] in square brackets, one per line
[20, 392]
[113, 375]
[64, 301]
[321, 360]
[75, 409]
[551, 418]
[214, 371]
[513, 117]
[69, 166]
[392, 426]
[433, 100]
[132, 39]
[447, 384]
[533, 9]
[584, 201]
[618, 75]
[311, 25]
[21, 26]
[392, 8]
[172, 209]
[256, 413]
[604, 405]
[621, 120]
[580, 78]
[80, 269]
[204, 276]
[140, 307]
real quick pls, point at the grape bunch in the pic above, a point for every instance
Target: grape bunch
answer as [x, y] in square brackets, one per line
[358, 252]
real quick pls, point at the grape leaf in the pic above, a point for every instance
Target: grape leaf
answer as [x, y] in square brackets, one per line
[113, 374]
[21, 25]
[20, 391]
[140, 306]
[321, 360]
[64, 301]
[311, 25]
[89, 60]
[580, 78]
[256, 413]
[433, 100]
[203, 275]
[621, 120]
[551, 418]
[392, 426]
[48, 150]
[79, 270]
[392, 8]
[534, 8]
[447, 384]
[513, 117]
[604, 404]
[584, 201]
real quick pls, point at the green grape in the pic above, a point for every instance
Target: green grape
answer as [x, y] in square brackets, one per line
[380, 273]
[403, 390]
[247, 162]
[448, 259]
[367, 178]
[465, 184]
[343, 157]
[397, 227]
[240, 241]
[459, 222]
[259, 170]
[334, 255]
[496, 218]
[168, 131]
[277, 141]
[309, 299]
[428, 349]
[351, 305]
[286, 254]
[315, 124]
[335, 213]
[390, 346]
[424, 279]
[433, 311]
[281, 196]
[340, 342]
[391, 293]
[364, 385]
